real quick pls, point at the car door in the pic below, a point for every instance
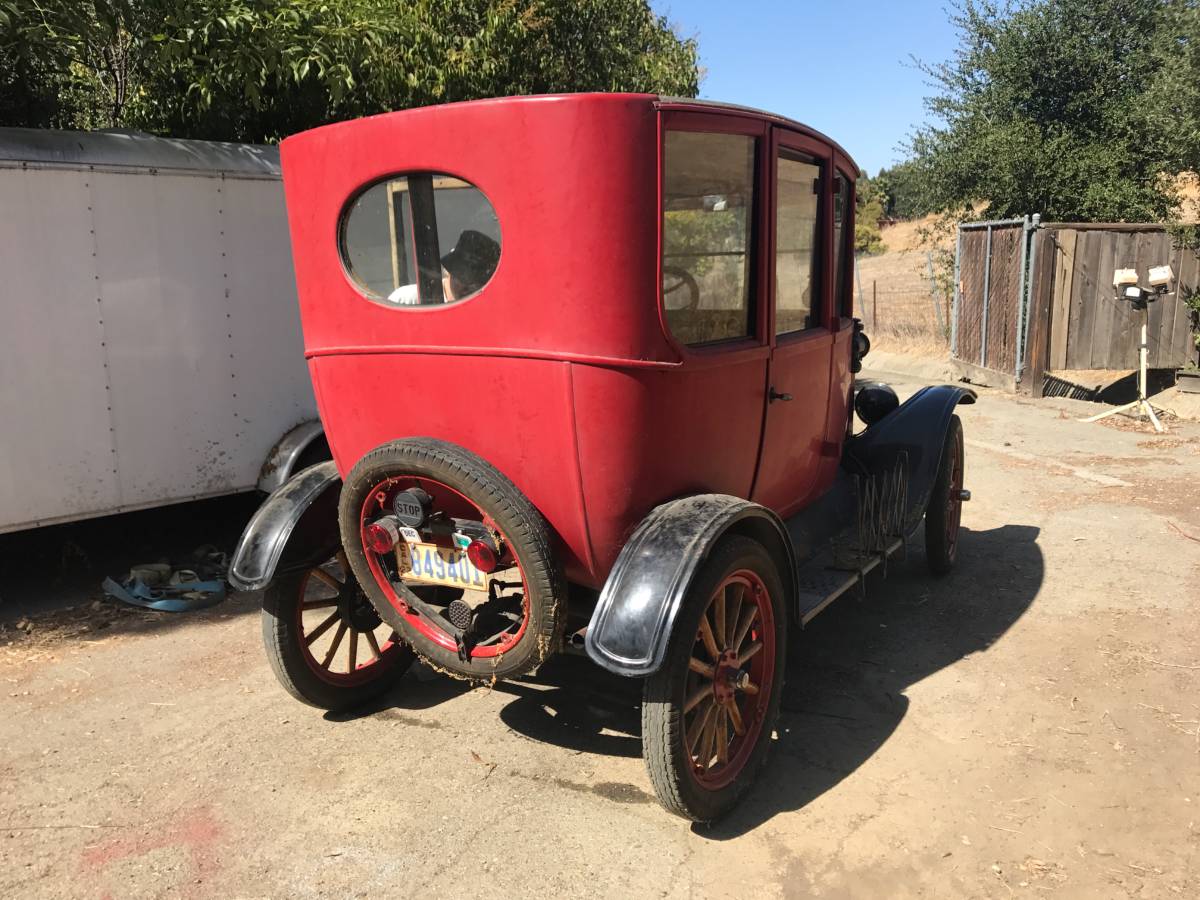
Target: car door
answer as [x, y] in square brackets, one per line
[794, 434]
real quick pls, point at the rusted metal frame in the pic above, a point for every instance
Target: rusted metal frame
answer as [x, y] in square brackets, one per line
[987, 295]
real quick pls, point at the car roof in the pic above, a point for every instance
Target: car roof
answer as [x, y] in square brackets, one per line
[665, 101]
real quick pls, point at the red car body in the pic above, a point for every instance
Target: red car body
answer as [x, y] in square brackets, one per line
[562, 371]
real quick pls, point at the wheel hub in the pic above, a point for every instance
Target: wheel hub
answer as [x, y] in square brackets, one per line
[356, 609]
[728, 678]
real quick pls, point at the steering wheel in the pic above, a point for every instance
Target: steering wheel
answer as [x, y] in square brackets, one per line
[675, 278]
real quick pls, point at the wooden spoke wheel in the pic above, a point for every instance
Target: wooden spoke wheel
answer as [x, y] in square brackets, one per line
[708, 713]
[943, 516]
[325, 642]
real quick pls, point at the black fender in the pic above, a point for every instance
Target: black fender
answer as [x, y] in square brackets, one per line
[296, 527]
[642, 597]
[915, 433]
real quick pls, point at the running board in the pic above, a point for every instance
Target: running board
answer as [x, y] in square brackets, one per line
[830, 574]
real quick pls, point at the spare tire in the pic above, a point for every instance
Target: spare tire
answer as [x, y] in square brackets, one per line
[515, 613]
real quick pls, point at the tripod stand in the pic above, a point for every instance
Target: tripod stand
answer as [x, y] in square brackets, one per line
[1141, 403]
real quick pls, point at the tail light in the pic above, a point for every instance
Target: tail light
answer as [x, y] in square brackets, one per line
[482, 555]
[382, 535]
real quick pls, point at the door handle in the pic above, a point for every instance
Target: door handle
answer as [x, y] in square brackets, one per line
[775, 395]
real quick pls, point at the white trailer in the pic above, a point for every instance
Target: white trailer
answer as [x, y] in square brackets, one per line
[150, 348]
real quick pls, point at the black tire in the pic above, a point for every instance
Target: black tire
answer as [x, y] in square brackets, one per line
[298, 671]
[944, 512]
[668, 758]
[523, 526]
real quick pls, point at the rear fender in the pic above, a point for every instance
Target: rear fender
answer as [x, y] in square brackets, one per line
[641, 599]
[296, 527]
[913, 434]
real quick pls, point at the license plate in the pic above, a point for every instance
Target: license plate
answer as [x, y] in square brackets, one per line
[431, 564]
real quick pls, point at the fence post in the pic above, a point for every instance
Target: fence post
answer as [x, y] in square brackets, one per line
[937, 307]
[987, 291]
[874, 309]
[957, 293]
[1022, 304]
[1034, 224]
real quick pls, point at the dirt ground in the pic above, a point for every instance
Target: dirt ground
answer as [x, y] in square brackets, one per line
[1029, 725]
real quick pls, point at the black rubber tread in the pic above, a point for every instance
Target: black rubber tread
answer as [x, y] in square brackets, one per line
[940, 556]
[667, 760]
[520, 521]
[286, 656]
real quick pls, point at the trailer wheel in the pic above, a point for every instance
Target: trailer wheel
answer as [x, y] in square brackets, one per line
[325, 642]
[708, 713]
[944, 513]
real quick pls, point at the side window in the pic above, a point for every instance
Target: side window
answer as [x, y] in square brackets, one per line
[843, 258]
[797, 295]
[708, 212]
[421, 239]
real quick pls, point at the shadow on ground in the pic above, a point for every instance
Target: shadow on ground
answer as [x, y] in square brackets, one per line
[847, 673]
[56, 571]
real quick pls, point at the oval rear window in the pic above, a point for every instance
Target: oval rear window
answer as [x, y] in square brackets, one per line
[420, 239]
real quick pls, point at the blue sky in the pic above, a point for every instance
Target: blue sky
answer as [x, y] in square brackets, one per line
[784, 57]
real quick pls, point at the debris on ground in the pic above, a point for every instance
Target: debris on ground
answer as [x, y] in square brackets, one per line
[162, 587]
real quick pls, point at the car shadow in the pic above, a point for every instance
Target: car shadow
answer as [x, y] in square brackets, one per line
[847, 672]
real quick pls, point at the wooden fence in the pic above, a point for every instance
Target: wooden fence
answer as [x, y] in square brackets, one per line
[1076, 322]
[1036, 298]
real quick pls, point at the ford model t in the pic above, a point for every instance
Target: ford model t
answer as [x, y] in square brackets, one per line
[586, 368]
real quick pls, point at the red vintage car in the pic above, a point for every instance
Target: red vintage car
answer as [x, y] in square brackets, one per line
[586, 368]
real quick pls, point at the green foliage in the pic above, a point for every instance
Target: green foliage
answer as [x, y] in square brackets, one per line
[1076, 109]
[901, 191]
[256, 70]
[868, 210]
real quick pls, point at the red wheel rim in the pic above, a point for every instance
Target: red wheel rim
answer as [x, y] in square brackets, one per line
[730, 675]
[445, 498]
[341, 636]
[954, 499]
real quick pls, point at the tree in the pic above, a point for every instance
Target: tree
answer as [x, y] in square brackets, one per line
[255, 70]
[1077, 109]
[868, 210]
[901, 192]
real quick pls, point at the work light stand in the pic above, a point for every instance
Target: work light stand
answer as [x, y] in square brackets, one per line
[1141, 404]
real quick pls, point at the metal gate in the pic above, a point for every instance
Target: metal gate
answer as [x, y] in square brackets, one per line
[990, 322]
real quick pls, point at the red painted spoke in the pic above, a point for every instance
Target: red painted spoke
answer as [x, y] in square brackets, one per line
[706, 635]
[700, 693]
[718, 609]
[337, 640]
[322, 628]
[723, 734]
[699, 723]
[373, 644]
[743, 628]
[735, 718]
[325, 578]
[708, 739]
[734, 610]
[749, 653]
[353, 651]
[319, 604]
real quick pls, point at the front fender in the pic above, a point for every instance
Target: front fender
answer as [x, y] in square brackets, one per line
[296, 525]
[914, 434]
[642, 597]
